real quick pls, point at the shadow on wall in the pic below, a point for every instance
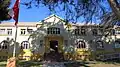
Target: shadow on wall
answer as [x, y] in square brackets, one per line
[39, 34]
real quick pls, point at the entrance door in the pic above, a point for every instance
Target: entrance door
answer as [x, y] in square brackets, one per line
[54, 45]
[53, 55]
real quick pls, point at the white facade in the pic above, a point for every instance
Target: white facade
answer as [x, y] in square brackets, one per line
[8, 31]
[69, 36]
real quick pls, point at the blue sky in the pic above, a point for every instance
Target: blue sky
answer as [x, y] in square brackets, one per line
[33, 14]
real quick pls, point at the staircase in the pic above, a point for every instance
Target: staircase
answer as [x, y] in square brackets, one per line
[54, 56]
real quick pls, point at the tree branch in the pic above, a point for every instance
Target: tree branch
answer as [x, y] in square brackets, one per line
[115, 7]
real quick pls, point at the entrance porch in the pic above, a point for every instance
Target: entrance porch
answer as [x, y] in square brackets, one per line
[53, 48]
[53, 43]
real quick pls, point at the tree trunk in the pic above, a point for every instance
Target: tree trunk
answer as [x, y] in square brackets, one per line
[115, 7]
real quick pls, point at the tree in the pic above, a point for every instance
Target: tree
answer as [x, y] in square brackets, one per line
[4, 5]
[89, 10]
[115, 6]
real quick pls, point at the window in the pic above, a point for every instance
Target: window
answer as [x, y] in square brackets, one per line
[58, 30]
[100, 31]
[94, 32]
[25, 45]
[112, 32]
[41, 42]
[2, 31]
[22, 31]
[80, 31]
[4, 57]
[100, 45]
[9, 31]
[81, 44]
[4, 44]
[117, 44]
[117, 31]
[30, 31]
[83, 32]
[53, 30]
[77, 31]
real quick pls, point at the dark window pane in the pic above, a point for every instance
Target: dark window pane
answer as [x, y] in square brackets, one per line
[83, 32]
[94, 31]
[53, 30]
[77, 31]
[25, 45]
[5, 46]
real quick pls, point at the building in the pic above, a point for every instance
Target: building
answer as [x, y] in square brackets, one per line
[73, 41]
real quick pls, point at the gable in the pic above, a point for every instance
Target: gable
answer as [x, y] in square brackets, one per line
[53, 20]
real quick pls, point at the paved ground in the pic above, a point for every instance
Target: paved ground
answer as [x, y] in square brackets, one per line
[104, 65]
[72, 64]
[64, 64]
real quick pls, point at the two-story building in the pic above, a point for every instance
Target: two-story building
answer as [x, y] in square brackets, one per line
[75, 41]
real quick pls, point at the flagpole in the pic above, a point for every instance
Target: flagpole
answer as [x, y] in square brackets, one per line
[16, 15]
[12, 61]
[15, 43]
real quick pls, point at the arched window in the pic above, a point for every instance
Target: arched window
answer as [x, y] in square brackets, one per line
[25, 45]
[81, 44]
[4, 44]
[99, 44]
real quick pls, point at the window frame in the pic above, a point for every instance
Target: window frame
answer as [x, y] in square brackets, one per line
[81, 45]
[9, 31]
[83, 31]
[117, 31]
[4, 44]
[77, 32]
[25, 45]
[2, 31]
[100, 31]
[53, 30]
[94, 32]
[117, 44]
[22, 31]
[99, 44]
[41, 43]
[30, 31]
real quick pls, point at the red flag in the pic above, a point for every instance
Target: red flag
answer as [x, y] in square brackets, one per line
[16, 11]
